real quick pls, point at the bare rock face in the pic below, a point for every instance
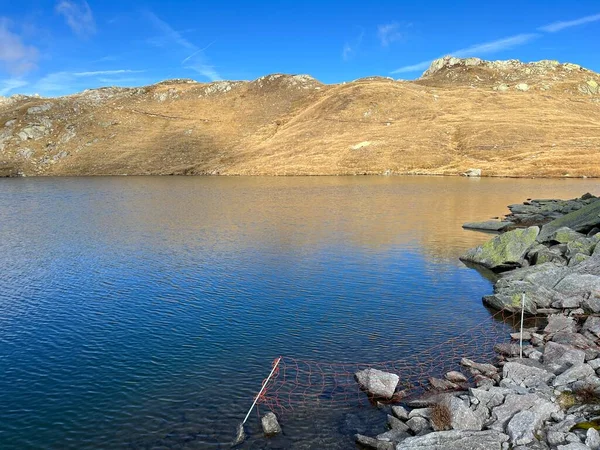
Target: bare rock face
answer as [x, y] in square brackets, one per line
[504, 251]
[377, 383]
[455, 440]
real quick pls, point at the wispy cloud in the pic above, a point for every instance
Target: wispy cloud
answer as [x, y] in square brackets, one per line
[169, 37]
[78, 16]
[351, 48]
[495, 46]
[477, 50]
[105, 72]
[504, 43]
[16, 57]
[558, 26]
[388, 33]
[69, 81]
[11, 84]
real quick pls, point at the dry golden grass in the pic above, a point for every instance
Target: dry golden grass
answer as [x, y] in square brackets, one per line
[281, 125]
[441, 418]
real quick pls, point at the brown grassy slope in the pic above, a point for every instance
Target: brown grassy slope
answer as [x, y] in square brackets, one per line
[444, 123]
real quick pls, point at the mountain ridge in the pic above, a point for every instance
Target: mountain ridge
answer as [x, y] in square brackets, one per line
[507, 118]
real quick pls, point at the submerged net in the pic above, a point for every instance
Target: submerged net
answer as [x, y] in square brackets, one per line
[297, 382]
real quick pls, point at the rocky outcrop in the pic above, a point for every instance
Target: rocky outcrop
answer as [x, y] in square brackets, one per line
[505, 251]
[544, 401]
[582, 220]
[557, 270]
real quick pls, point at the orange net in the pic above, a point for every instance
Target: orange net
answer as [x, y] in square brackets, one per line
[298, 382]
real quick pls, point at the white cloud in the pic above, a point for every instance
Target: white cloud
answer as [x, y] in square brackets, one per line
[414, 67]
[105, 72]
[350, 49]
[78, 16]
[388, 33]
[558, 26]
[495, 46]
[477, 50]
[10, 84]
[16, 57]
[69, 81]
[169, 37]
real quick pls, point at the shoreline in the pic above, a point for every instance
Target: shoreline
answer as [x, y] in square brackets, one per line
[407, 174]
[546, 398]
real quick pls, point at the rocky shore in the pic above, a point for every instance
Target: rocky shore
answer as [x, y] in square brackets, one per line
[550, 397]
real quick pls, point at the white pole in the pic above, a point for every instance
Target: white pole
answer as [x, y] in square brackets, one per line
[522, 314]
[262, 389]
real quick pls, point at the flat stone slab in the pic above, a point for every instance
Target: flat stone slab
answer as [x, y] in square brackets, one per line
[455, 440]
[488, 225]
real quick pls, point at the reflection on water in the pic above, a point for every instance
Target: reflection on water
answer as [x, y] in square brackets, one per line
[144, 312]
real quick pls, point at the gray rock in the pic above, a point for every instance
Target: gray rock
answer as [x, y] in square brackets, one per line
[377, 383]
[591, 304]
[579, 284]
[442, 385]
[400, 412]
[522, 87]
[546, 255]
[519, 373]
[490, 225]
[573, 446]
[583, 245]
[565, 235]
[556, 437]
[396, 424]
[521, 427]
[514, 403]
[420, 412]
[594, 363]
[393, 436]
[577, 258]
[581, 220]
[576, 340]
[33, 132]
[558, 322]
[462, 417]
[558, 357]
[592, 325]
[418, 424]
[455, 377]
[507, 349]
[485, 369]
[39, 109]
[374, 443]
[455, 440]
[592, 439]
[576, 373]
[507, 250]
[270, 425]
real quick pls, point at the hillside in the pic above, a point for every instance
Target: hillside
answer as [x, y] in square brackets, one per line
[507, 118]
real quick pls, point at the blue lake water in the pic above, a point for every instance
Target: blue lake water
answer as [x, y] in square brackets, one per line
[144, 312]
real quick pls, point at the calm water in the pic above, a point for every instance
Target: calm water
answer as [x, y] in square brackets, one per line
[145, 312]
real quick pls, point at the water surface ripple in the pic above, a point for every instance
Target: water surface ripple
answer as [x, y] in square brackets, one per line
[145, 312]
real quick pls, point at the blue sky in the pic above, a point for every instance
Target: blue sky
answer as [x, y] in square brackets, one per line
[56, 47]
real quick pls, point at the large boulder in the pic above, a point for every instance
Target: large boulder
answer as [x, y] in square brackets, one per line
[505, 251]
[377, 383]
[455, 440]
[582, 220]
